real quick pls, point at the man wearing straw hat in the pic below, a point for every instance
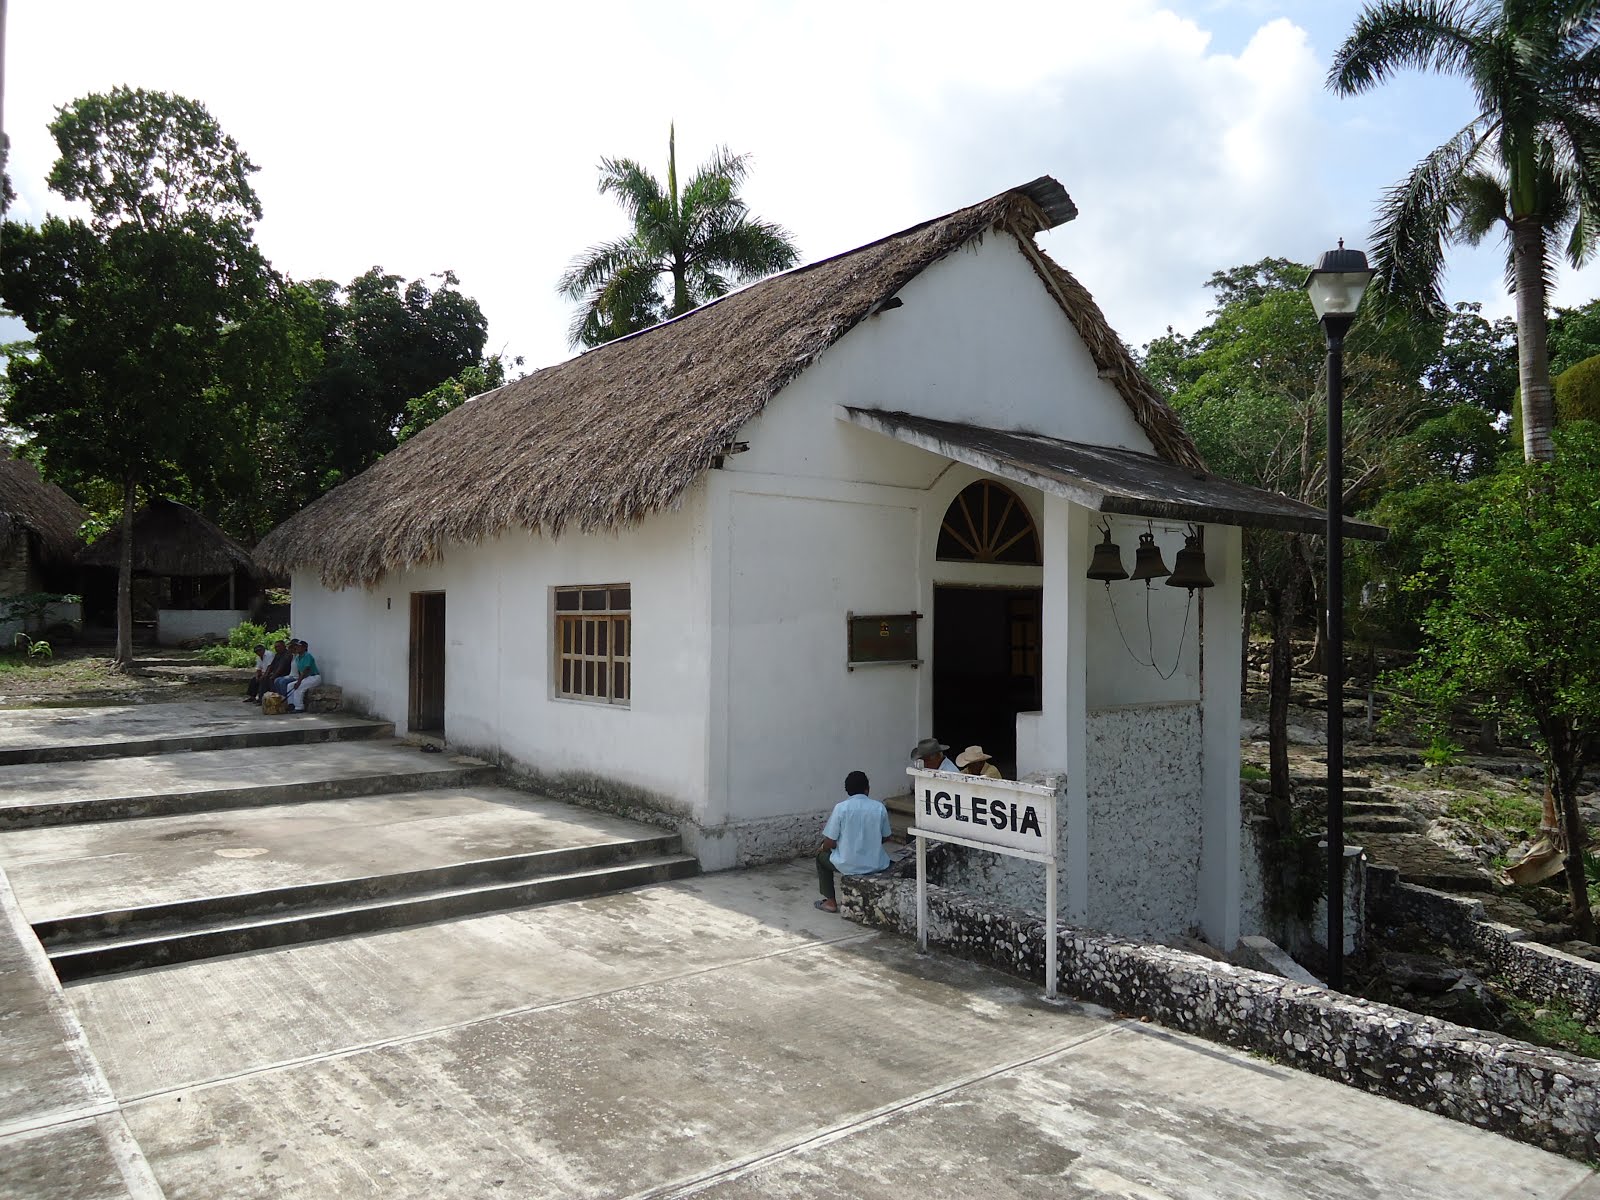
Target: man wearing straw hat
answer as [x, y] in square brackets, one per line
[973, 761]
[929, 753]
[853, 838]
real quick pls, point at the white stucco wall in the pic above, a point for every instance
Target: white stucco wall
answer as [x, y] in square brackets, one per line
[175, 626]
[499, 649]
[1140, 632]
[979, 340]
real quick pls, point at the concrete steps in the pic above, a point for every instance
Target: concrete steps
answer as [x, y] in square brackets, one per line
[77, 735]
[42, 794]
[234, 832]
[158, 935]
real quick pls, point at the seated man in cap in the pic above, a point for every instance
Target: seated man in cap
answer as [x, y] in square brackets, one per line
[853, 838]
[973, 761]
[929, 753]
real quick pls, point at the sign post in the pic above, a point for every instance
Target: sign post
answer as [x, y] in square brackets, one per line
[1014, 819]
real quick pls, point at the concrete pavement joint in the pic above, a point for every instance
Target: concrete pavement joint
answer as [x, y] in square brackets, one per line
[56, 1118]
[451, 1027]
[131, 1162]
[870, 1119]
[119, 1140]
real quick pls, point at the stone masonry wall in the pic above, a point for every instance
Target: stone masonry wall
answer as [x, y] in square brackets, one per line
[1540, 972]
[1538, 1096]
[1143, 793]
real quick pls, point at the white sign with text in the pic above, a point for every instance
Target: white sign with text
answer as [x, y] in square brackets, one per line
[997, 813]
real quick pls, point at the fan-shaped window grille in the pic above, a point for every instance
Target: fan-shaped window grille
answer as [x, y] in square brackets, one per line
[986, 523]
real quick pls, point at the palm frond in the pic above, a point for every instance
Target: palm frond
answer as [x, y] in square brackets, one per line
[591, 268]
[702, 234]
[1427, 35]
[1577, 23]
[746, 249]
[634, 187]
[1415, 220]
[1480, 205]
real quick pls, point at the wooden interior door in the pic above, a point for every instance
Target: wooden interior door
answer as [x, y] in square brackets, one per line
[427, 662]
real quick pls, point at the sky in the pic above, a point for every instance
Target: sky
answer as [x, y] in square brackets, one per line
[1193, 135]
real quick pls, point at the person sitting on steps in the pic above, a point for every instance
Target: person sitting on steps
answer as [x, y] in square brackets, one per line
[276, 669]
[852, 840]
[252, 691]
[307, 677]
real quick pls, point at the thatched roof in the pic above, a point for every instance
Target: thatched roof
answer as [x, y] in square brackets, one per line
[29, 505]
[172, 539]
[616, 434]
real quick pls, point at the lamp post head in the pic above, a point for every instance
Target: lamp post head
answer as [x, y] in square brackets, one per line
[1337, 283]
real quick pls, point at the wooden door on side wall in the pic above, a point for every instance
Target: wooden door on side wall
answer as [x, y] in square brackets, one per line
[427, 662]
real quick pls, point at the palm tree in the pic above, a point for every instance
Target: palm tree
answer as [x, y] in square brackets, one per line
[703, 236]
[1529, 161]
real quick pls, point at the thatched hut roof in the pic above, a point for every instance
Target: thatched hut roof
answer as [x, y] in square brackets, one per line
[29, 505]
[172, 539]
[616, 434]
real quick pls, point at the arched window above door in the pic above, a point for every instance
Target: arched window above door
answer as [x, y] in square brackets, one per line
[987, 523]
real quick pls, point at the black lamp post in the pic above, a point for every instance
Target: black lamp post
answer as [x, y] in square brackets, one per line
[1335, 287]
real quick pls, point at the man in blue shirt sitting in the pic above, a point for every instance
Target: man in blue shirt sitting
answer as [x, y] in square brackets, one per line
[853, 838]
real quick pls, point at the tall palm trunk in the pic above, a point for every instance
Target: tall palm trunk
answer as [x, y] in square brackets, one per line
[1533, 350]
[125, 577]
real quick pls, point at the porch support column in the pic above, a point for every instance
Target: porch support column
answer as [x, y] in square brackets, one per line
[1063, 718]
[1220, 611]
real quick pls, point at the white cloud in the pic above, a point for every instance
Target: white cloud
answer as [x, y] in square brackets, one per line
[423, 137]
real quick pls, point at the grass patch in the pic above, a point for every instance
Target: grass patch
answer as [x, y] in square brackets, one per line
[1249, 771]
[1495, 811]
[21, 668]
[1551, 1023]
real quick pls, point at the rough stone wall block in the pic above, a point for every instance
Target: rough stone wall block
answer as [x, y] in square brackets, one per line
[1536, 970]
[327, 697]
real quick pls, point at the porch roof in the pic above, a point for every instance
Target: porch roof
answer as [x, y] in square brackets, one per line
[1108, 480]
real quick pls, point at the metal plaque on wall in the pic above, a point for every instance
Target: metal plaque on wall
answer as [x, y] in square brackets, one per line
[882, 639]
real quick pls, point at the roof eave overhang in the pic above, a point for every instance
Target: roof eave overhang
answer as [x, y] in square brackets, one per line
[1279, 512]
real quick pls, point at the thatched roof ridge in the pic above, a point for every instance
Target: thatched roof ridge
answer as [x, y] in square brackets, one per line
[29, 505]
[611, 436]
[172, 539]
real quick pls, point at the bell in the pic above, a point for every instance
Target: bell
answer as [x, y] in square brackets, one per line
[1147, 564]
[1107, 563]
[1190, 571]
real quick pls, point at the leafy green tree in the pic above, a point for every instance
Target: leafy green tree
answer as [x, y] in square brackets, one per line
[1528, 161]
[1574, 335]
[1512, 630]
[384, 342]
[1249, 387]
[424, 410]
[151, 318]
[702, 237]
[1477, 362]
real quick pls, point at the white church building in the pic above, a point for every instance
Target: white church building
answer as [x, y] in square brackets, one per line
[708, 569]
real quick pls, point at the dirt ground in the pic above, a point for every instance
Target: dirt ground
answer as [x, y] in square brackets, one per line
[88, 675]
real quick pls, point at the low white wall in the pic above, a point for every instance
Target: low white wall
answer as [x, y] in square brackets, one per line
[174, 626]
[55, 614]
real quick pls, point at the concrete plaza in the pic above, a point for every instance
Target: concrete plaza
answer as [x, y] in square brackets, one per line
[713, 1035]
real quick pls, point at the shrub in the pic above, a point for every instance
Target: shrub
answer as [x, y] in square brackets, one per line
[239, 651]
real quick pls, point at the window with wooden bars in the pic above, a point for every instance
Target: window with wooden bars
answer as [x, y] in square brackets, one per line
[594, 643]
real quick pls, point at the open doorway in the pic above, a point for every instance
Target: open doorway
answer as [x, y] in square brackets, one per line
[427, 663]
[986, 667]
